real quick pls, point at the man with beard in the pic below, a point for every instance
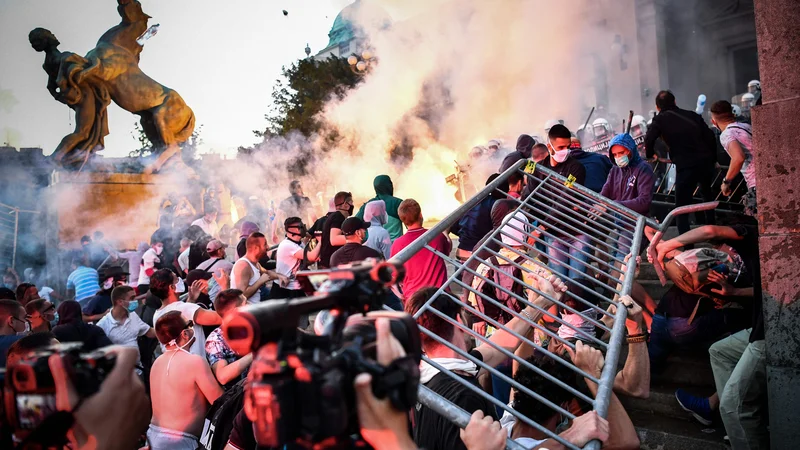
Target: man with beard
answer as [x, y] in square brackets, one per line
[248, 274]
[99, 305]
[332, 237]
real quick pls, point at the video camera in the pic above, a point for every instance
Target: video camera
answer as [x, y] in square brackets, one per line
[300, 386]
[30, 392]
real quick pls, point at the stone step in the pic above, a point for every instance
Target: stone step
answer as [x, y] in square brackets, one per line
[662, 402]
[657, 432]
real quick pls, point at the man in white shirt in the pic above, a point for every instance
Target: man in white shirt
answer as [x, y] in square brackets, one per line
[163, 286]
[208, 222]
[291, 253]
[122, 325]
[149, 260]
[248, 275]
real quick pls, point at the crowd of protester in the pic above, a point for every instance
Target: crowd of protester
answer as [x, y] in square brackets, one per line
[162, 304]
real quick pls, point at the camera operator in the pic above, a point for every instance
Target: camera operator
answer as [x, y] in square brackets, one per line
[432, 430]
[182, 387]
[100, 420]
[382, 426]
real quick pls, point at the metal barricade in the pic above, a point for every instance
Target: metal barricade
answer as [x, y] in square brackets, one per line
[563, 210]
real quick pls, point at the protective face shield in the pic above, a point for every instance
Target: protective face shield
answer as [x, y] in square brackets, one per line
[601, 128]
[638, 126]
[754, 86]
[748, 100]
[550, 124]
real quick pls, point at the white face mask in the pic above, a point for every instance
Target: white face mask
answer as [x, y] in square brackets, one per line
[108, 284]
[622, 161]
[559, 155]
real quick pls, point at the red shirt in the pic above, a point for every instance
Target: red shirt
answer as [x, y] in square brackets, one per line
[424, 269]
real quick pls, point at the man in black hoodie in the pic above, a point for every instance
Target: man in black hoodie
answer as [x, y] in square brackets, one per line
[525, 144]
[692, 148]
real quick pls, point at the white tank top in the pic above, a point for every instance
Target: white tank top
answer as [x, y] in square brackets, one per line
[255, 298]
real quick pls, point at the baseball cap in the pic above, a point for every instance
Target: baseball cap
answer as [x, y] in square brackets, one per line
[196, 274]
[353, 224]
[215, 245]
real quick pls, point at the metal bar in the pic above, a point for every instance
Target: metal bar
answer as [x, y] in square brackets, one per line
[511, 355]
[609, 373]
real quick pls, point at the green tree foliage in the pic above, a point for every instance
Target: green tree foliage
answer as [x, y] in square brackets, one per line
[299, 97]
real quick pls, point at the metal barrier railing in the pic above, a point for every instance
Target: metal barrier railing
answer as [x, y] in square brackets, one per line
[550, 216]
[664, 192]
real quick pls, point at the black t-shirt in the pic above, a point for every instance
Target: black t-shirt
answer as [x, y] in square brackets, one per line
[351, 253]
[747, 247]
[433, 431]
[676, 303]
[92, 336]
[316, 229]
[100, 303]
[335, 220]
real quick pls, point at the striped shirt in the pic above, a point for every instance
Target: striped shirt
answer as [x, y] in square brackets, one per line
[85, 282]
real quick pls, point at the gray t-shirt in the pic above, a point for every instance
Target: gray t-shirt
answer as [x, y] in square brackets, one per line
[743, 134]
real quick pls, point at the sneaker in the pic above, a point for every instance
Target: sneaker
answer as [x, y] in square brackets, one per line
[698, 406]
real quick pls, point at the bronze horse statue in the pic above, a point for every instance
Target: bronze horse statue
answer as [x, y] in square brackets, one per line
[111, 70]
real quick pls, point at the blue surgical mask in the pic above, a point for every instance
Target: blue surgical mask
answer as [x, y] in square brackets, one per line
[133, 305]
[55, 320]
[622, 161]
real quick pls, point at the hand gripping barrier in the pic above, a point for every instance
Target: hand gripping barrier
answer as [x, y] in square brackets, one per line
[563, 221]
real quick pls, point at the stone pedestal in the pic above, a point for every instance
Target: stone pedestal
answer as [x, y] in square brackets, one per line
[778, 175]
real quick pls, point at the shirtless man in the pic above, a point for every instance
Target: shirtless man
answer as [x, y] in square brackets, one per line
[248, 275]
[182, 388]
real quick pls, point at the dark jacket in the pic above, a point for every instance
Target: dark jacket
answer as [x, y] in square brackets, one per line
[384, 190]
[691, 142]
[632, 185]
[92, 336]
[474, 225]
[597, 167]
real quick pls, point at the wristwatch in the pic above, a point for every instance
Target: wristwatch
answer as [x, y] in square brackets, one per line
[726, 181]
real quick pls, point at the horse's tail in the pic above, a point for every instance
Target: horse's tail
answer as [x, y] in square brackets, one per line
[186, 132]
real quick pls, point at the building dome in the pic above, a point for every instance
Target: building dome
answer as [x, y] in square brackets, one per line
[343, 29]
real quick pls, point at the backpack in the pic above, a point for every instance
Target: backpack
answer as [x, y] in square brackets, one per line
[504, 277]
[219, 420]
